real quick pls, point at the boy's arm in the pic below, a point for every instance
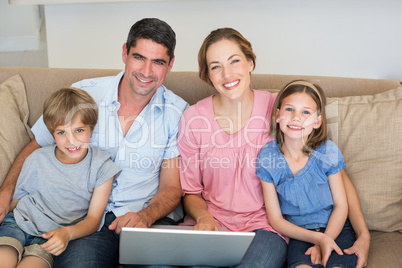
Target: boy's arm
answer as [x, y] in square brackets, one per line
[59, 238]
[362, 244]
[164, 202]
[8, 186]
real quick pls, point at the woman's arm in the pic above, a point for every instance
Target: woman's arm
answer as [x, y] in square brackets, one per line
[59, 238]
[361, 246]
[196, 207]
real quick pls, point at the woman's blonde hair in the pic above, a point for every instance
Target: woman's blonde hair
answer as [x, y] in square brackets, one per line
[218, 35]
[317, 136]
[64, 105]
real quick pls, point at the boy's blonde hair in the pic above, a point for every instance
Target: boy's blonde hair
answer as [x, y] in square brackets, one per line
[317, 136]
[64, 105]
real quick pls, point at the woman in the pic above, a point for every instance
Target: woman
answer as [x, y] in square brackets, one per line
[222, 136]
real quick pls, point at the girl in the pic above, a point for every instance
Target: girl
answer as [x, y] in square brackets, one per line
[300, 172]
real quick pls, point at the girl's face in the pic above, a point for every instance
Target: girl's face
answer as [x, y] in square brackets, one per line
[229, 69]
[297, 116]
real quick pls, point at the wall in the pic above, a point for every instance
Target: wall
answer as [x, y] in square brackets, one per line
[19, 27]
[358, 38]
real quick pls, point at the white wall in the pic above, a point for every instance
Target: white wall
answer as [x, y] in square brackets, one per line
[360, 38]
[19, 27]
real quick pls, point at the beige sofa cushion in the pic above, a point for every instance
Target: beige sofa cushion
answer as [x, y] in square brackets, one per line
[14, 131]
[368, 130]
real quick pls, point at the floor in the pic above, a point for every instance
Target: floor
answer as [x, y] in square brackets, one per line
[33, 58]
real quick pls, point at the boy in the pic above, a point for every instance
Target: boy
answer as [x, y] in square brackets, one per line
[63, 189]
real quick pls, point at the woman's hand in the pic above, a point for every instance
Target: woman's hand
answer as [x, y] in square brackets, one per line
[206, 223]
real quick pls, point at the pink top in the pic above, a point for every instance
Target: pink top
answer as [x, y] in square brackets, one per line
[222, 167]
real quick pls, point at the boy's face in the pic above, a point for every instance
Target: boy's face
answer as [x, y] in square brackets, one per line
[72, 141]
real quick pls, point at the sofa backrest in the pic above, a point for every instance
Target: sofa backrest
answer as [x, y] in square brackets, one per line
[41, 82]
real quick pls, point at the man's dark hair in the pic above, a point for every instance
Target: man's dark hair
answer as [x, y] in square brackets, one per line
[154, 29]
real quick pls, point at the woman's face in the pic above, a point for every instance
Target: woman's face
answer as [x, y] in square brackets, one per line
[229, 69]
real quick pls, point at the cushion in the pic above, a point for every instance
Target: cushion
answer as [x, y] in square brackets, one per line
[368, 130]
[14, 130]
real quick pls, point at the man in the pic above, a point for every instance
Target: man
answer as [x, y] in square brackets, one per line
[138, 124]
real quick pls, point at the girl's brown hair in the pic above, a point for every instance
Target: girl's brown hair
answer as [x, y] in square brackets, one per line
[218, 35]
[317, 136]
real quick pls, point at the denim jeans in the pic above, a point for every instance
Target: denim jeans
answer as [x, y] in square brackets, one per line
[345, 240]
[267, 250]
[9, 228]
[98, 250]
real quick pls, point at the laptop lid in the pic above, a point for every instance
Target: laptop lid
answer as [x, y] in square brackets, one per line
[181, 246]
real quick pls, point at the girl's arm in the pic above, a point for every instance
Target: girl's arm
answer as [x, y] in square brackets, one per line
[59, 238]
[196, 207]
[340, 210]
[291, 230]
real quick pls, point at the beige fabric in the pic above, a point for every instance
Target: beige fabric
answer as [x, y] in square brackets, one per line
[12, 242]
[385, 250]
[368, 130]
[14, 131]
[35, 250]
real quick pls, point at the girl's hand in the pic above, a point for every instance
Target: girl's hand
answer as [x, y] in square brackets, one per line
[315, 254]
[327, 245]
[57, 241]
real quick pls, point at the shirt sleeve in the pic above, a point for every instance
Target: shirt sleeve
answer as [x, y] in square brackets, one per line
[190, 165]
[42, 134]
[173, 113]
[331, 158]
[263, 165]
[25, 181]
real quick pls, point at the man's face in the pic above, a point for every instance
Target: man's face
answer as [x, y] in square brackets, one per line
[147, 65]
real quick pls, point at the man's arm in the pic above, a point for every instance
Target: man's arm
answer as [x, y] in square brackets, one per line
[362, 245]
[164, 202]
[8, 186]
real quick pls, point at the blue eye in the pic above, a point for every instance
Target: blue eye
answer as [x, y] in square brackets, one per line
[79, 130]
[61, 133]
[289, 109]
[306, 112]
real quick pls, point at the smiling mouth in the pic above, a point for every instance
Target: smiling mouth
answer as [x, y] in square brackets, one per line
[295, 127]
[231, 84]
[73, 149]
[142, 80]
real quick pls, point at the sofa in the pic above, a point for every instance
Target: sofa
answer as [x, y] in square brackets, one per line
[364, 120]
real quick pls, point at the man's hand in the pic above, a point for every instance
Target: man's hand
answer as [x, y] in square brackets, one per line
[361, 249]
[129, 219]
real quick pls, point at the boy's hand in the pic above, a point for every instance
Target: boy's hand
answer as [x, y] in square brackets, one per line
[57, 241]
[315, 254]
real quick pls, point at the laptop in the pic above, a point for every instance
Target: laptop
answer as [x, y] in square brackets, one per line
[181, 246]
